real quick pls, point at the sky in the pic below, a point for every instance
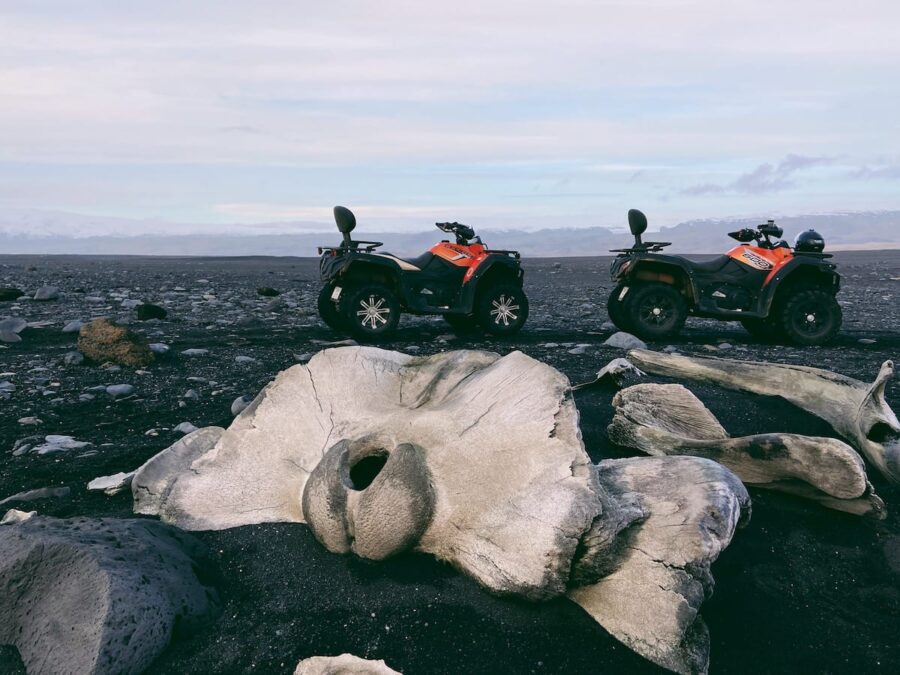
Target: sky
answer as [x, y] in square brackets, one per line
[498, 113]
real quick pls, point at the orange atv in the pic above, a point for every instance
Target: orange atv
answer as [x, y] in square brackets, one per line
[365, 291]
[775, 291]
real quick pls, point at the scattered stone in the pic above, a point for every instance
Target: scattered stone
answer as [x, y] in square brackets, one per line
[102, 340]
[120, 588]
[120, 390]
[185, 428]
[73, 326]
[192, 395]
[45, 293]
[195, 352]
[30, 421]
[14, 516]
[304, 357]
[148, 311]
[7, 387]
[8, 294]
[13, 325]
[9, 337]
[579, 349]
[57, 443]
[622, 340]
[866, 341]
[111, 485]
[244, 359]
[345, 664]
[267, 292]
[73, 358]
[130, 303]
[158, 348]
[240, 404]
[607, 325]
[725, 346]
[39, 493]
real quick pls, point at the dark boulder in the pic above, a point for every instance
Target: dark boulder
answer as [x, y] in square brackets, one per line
[103, 595]
[267, 292]
[148, 311]
[10, 294]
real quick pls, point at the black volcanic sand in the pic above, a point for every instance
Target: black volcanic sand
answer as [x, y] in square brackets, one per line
[801, 589]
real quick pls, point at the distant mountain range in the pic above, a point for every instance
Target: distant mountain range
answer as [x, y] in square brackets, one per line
[49, 233]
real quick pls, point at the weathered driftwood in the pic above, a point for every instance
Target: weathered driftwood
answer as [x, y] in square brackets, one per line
[651, 601]
[667, 419]
[345, 664]
[857, 411]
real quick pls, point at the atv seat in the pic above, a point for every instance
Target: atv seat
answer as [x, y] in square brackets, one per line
[409, 264]
[711, 266]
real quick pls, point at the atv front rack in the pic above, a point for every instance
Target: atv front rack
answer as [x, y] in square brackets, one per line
[364, 246]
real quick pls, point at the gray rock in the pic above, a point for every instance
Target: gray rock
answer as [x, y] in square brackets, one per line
[30, 421]
[120, 588]
[73, 358]
[195, 352]
[39, 493]
[14, 516]
[7, 387]
[185, 428]
[9, 337]
[57, 443]
[623, 340]
[13, 325]
[46, 293]
[240, 404]
[244, 359]
[345, 664]
[111, 484]
[159, 348]
[120, 390]
[192, 395]
[73, 326]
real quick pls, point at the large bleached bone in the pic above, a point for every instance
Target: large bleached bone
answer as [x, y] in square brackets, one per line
[651, 601]
[857, 411]
[667, 419]
[474, 458]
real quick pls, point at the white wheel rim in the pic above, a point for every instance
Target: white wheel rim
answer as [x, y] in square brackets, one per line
[374, 312]
[505, 310]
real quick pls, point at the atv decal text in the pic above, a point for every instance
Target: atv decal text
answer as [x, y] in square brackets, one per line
[756, 261]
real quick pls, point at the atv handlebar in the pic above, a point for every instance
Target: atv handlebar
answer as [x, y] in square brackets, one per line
[463, 232]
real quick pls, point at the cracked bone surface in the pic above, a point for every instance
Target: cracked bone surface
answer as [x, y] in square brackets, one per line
[345, 664]
[667, 419]
[474, 458]
[857, 410]
[683, 512]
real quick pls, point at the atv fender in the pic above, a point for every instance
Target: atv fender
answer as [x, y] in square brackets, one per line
[493, 268]
[670, 271]
[798, 271]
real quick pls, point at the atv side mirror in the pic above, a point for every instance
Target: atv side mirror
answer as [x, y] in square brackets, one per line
[637, 222]
[346, 222]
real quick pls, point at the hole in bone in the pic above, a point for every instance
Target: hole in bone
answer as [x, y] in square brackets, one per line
[364, 469]
[882, 432]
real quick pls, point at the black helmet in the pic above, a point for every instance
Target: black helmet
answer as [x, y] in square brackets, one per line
[809, 242]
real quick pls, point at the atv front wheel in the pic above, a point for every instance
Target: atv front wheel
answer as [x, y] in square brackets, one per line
[655, 311]
[371, 311]
[615, 309]
[810, 317]
[502, 309]
[328, 310]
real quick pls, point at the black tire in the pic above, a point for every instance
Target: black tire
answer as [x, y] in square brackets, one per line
[328, 310]
[502, 308]
[655, 311]
[462, 324]
[809, 316]
[616, 311]
[371, 311]
[764, 330]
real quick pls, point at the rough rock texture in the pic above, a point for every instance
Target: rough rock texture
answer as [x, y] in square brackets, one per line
[498, 438]
[101, 340]
[345, 664]
[857, 411]
[667, 419]
[8, 294]
[98, 595]
[689, 509]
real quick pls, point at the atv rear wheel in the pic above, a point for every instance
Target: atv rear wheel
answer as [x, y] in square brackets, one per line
[328, 310]
[371, 311]
[810, 317]
[616, 310]
[655, 311]
[502, 309]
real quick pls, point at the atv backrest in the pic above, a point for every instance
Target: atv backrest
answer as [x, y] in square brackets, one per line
[346, 222]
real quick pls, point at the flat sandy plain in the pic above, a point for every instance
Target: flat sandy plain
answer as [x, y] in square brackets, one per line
[801, 589]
